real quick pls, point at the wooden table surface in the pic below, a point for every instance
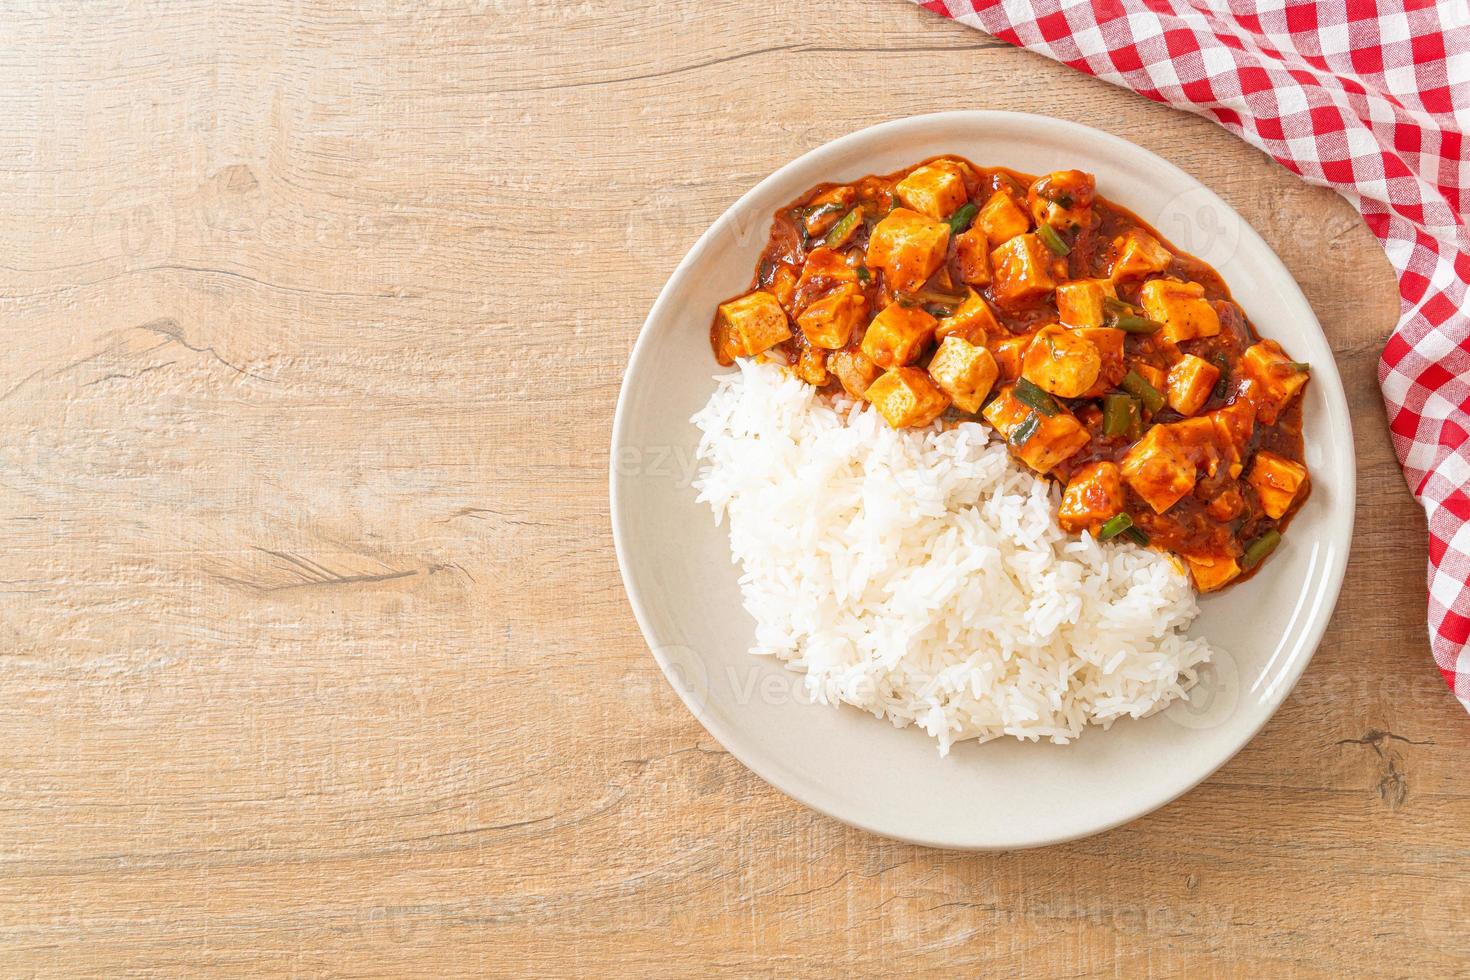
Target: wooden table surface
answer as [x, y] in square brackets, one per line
[316, 658]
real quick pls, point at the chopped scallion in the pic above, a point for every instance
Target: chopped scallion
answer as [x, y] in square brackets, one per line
[961, 219]
[1119, 413]
[1051, 239]
[1136, 386]
[1114, 526]
[844, 228]
[1257, 550]
[1290, 367]
[1124, 316]
[1222, 386]
[1036, 398]
[939, 296]
[1021, 433]
[1136, 324]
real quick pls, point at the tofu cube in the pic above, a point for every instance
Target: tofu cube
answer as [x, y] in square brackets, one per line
[1061, 361]
[827, 208]
[755, 322]
[1063, 199]
[1277, 481]
[898, 335]
[824, 266]
[1275, 378]
[1057, 438]
[1159, 468]
[1093, 496]
[972, 257]
[935, 189]
[783, 286]
[1155, 376]
[965, 371]
[854, 370]
[1235, 423]
[907, 397]
[1139, 254]
[1022, 269]
[1112, 368]
[1006, 412]
[1233, 426]
[1201, 442]
[811, 366]
[1009, 353]
[908, 247]
[1080, 303]
[1226, 505]
[972, 320]
[1191, 380]
[831, 320]
[1181, 308]
[1002, 219]
[1212, 573]
[1051, 439]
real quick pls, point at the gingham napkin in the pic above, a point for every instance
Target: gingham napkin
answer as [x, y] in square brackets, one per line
[1370, 98]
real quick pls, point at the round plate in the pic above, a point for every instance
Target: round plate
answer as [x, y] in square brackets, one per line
[844, 762]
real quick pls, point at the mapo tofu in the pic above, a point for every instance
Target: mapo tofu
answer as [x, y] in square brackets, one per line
[1109, 361]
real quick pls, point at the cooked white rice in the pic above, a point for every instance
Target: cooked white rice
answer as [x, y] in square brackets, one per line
[920, 574]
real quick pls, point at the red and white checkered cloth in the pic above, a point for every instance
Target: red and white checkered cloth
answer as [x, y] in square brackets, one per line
[1370, 98]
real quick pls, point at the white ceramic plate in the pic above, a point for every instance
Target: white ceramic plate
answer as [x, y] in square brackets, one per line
[1003, 794]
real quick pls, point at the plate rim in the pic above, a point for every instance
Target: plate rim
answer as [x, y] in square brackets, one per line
[776, 776]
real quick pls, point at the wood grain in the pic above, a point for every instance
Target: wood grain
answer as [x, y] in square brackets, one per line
[316, 659]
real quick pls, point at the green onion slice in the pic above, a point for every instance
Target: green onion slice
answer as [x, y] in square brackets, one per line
[1257, 550]
[939, 296]
[1121, 315]
[1021, 433]
[1052, 240]
[962, 217]
[1134, 384]
[1114, 527]
[844, 228]
[822, 210]
[1119, 411]
[1222, 386]
[1036, 398]
[1136, 324]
